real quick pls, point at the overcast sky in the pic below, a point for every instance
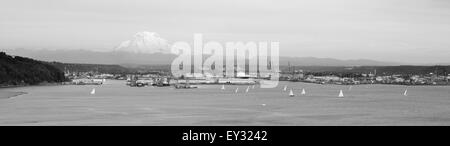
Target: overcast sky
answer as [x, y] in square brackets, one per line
[411, 31]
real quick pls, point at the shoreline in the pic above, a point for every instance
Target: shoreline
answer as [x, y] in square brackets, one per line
[10, 94]
[40, 84]
[438, 85]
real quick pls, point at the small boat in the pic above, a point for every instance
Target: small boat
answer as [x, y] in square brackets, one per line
[291, 93]
[341, 94]
[223, 87]
[253, 87]
[93, 91]
[236, 91]
[246, 90]
[405, 93]
[303, 91]
[285, 88]
[184, 86]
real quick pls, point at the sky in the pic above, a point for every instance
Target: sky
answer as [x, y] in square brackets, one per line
[408, 31]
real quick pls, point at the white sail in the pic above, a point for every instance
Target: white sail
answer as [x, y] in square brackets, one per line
[350, 88]
[285, 88]
[291, 93]
[303, 91]
[253, 87]
[93, 91]
[405, 93]
[236, 91]
[246, 90]
[341, 94]
[223, 87]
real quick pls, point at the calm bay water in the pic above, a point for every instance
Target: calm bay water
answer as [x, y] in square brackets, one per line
[117, 104]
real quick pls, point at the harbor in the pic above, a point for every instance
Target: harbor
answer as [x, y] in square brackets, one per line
[114, 103]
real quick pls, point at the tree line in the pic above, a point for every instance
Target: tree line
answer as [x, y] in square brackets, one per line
[16, 70]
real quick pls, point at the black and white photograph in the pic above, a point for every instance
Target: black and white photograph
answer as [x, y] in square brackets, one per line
[224, 63]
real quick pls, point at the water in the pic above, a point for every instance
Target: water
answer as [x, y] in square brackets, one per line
[117, 104]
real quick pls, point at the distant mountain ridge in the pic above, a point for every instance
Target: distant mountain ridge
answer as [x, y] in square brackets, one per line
[313, 61]
[129, 58]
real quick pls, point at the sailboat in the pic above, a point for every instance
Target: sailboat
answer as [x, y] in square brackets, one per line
[246, 90]
[291, 93]
[303, 91]
[223, 87]
[341, 94]
[93, 91]
[350, 88]
[405, 93]
[253, 87]
[236, 91]
[285, 88]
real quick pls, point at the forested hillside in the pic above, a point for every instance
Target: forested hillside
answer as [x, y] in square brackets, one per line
[16, 70]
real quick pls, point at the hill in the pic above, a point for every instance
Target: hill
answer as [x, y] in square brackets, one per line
[130, 58]
[380, 70]
[16, 70]
[100, 68]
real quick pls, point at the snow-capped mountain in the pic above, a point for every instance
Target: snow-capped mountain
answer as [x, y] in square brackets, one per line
[145, 42]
